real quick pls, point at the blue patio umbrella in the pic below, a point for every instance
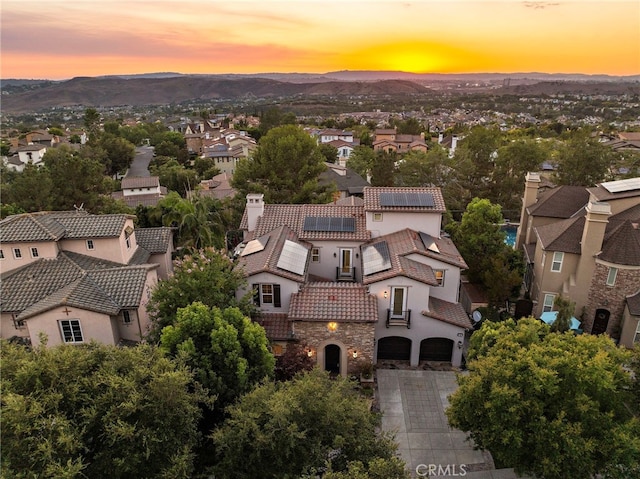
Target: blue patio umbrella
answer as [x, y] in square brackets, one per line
[549, 317]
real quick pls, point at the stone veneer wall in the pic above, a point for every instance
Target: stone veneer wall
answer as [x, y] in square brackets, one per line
[354, 336]
[611, 298]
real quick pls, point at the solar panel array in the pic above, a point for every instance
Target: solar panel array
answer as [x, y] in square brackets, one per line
[429, 242]
[329, 223]
[619, 186]
[255, 245]
[293, 257]
[376, 258]
[407, 199]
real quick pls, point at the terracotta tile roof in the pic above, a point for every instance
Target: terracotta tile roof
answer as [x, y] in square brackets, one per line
[276, 325]
[266, 260]
[406, 242]
[31, 227]
[623, 245]
[560, 202]
[74, 280]
[148, 199]
[351, 181]
[350, 201]
[372, 199]
[564, 235]
[293, 216]
[633, 302]
[154, 240]
[340, 302]
[452, 313]
[93, 226]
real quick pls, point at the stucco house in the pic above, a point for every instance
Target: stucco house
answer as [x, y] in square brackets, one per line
[390, 141]
[584, 244]
[140, 190]
[368, 280]
[76, 277]
[31, 153]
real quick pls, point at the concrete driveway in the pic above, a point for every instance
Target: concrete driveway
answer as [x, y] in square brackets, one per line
[413, 404]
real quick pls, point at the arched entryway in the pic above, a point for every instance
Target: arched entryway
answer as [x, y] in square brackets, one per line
[436, 349]
[600, 321]
[394, 348]
[332, 358]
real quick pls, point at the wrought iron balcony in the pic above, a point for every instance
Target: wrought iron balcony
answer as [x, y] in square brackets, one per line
[345, 274]
[402, 318]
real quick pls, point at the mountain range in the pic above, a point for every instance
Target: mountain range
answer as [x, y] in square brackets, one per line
[20, 96]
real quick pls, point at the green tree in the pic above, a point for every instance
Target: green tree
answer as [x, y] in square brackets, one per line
[583, 161]
[384, 168]
[547, 404]
[96, 411]
[329, 152]
[92, 123]
[274, 117]
[410, 126]
[173, 175]
[119, 153]
[292, 428]
[285, 168]
[227, 351]
[378, 468]
[565, 308]
[197, 220]
[418, 168]
[30, 190]
[361, 160]
[76, 179]
[208, 276]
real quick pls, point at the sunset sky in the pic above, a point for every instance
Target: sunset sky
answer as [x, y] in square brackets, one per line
[62, 39]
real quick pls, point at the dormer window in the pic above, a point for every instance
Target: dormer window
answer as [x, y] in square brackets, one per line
[90, 244]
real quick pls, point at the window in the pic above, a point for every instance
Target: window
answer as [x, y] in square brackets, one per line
[548, 302]
[71, 331]
[277, 349]
[1, 254]
[34, 252]
[611, 277]
[90, 244]
[556, 264]
[18, 323]
[439, 276]
[636, 339]
[398, 302]
[267, 294]
[126, 317]
[128, 241]
[315, 255]
[17, 254]
[377, 217]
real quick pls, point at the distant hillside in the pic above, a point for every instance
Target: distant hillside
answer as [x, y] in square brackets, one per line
[115, 91]
[574, 88]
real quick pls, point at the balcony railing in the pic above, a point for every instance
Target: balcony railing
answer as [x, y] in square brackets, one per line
[399, 319]
[345, 274]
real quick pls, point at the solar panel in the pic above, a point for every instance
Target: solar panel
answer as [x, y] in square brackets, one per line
[293, 257]
[619, 186]
[376, 258]
[329, 223]
[255, 245]
[407, 199]
[429, 242]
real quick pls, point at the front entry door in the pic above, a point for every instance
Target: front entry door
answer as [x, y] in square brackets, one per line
[601, 321]
[345, 262]
[332, 358]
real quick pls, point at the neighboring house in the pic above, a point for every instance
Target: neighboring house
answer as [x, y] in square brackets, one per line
[140, 190]
[341, 140]
[352, 282]
[31, 153]
[584, 244]
[227, 150]
[218, 187]
[77, 277]
[348, 182]
[388, 140]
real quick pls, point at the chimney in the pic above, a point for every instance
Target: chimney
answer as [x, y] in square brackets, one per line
[531, 185]
[440, 137]
[592, 237]
[255, 209]
[454, 142]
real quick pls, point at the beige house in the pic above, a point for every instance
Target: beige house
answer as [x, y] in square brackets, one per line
[390, 141]
[76, 277]
[353, 282]
[584, 244]
[140, 190]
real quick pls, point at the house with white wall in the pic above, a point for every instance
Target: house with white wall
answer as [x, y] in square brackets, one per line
[374, 280]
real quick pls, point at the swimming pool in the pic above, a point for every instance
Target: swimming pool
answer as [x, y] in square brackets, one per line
[510, 234]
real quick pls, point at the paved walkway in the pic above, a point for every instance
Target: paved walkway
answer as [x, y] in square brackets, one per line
[413, 404]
